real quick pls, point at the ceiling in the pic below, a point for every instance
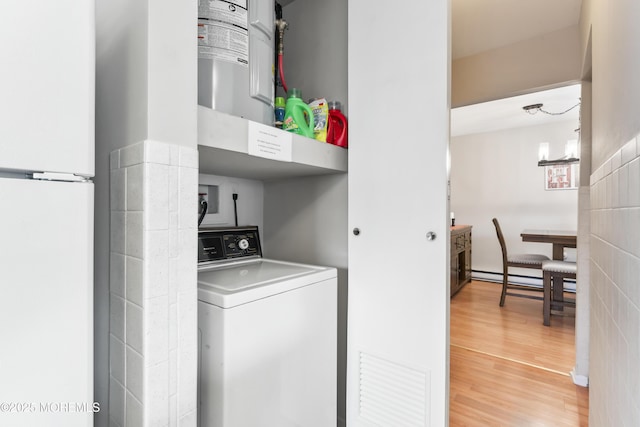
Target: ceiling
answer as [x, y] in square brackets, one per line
[481, 25]
[508, 113]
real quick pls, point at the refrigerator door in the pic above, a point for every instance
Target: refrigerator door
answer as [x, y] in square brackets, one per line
[47, 86]
[46, 303]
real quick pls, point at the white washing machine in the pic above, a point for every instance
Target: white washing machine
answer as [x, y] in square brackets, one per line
[267, 336]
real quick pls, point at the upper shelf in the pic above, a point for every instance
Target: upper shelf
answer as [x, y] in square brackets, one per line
[223, 149]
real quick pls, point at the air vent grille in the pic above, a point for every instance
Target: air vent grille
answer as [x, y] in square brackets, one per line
[392, 394]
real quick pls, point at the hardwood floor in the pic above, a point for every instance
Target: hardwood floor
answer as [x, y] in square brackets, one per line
[507, 369]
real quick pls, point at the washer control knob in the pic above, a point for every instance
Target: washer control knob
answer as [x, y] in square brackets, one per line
[243, 244]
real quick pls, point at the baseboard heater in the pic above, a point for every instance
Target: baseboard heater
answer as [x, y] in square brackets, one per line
[518, 279]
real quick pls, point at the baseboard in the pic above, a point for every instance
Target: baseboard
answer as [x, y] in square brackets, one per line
[580, 380]
[517, 279]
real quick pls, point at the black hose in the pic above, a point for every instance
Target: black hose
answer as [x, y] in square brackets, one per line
[203, 210]
[235, 207]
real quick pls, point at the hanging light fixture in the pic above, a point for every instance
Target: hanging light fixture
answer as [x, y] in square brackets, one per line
[571, 147]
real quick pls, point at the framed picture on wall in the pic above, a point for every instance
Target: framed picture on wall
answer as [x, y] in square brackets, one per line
[560, 177]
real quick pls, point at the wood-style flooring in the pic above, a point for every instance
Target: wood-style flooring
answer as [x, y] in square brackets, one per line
[507, 369]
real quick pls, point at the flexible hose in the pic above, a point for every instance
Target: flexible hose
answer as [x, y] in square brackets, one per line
[203, 211]
[282, 25]
[281, 71]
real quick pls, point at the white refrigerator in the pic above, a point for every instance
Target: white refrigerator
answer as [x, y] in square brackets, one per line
[47, 79]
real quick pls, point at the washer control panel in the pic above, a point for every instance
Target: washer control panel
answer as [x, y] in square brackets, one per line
[223, 244]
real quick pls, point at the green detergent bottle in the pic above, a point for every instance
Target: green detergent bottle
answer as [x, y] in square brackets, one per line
[298, 116]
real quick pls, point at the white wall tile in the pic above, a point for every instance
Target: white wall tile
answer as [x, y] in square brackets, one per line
[134, 326]
[116, 402]
[118, 232]
[134, 236]
[188, 319]
[188, 158]
[615, 288]
[156, 202]
[188, 420]
[157, 152]
[117, 317]
[117, 359]
[117, 274]
[174, 242]
[156, 326]
[174, 184]
[132, 155]
[173, 410]
[118, 190]
[633, 290]
[633, 229]
[157, 395]
[634, 183]
[187, 351]
[607, 167]
[135, 374]
[608, 189]
[174, 279]
[174, 155]
[173, 326]
[187, 260]
[134, 411]
[616, 160]
[114, 159]
[623, 186]
[135, 292]
[135, 187]
[614, 183]
[156, 268]
[173, 372]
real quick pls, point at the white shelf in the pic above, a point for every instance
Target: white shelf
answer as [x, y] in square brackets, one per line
[223, 146]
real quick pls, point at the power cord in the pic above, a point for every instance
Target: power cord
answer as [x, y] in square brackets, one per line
[235, 207]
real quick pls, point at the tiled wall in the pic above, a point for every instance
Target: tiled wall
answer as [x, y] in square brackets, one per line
[153, 285]
[615, 290]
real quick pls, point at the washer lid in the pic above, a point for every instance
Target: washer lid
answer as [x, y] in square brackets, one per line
[241, 282]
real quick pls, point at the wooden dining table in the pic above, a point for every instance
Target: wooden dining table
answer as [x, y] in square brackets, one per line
[560, 239]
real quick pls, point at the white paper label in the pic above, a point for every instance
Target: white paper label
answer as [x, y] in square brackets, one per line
[223, 31]
[269, 142]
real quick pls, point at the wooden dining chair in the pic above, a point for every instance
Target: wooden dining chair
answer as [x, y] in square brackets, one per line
[516, 260]
[553, 274]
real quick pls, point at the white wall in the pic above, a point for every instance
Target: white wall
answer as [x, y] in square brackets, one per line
[543, 62]
[145, 89]
[495, 174]
[315, 46]
[152, 276]
[615, 76]
[250, 201]
[614, 385]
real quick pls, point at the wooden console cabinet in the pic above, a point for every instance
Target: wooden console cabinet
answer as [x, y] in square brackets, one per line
[460, 257]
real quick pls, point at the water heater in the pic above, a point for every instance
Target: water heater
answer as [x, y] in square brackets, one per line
[236, 57]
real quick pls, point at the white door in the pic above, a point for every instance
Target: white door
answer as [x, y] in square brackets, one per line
[47, 85]
[398, 277]
[46, 303]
